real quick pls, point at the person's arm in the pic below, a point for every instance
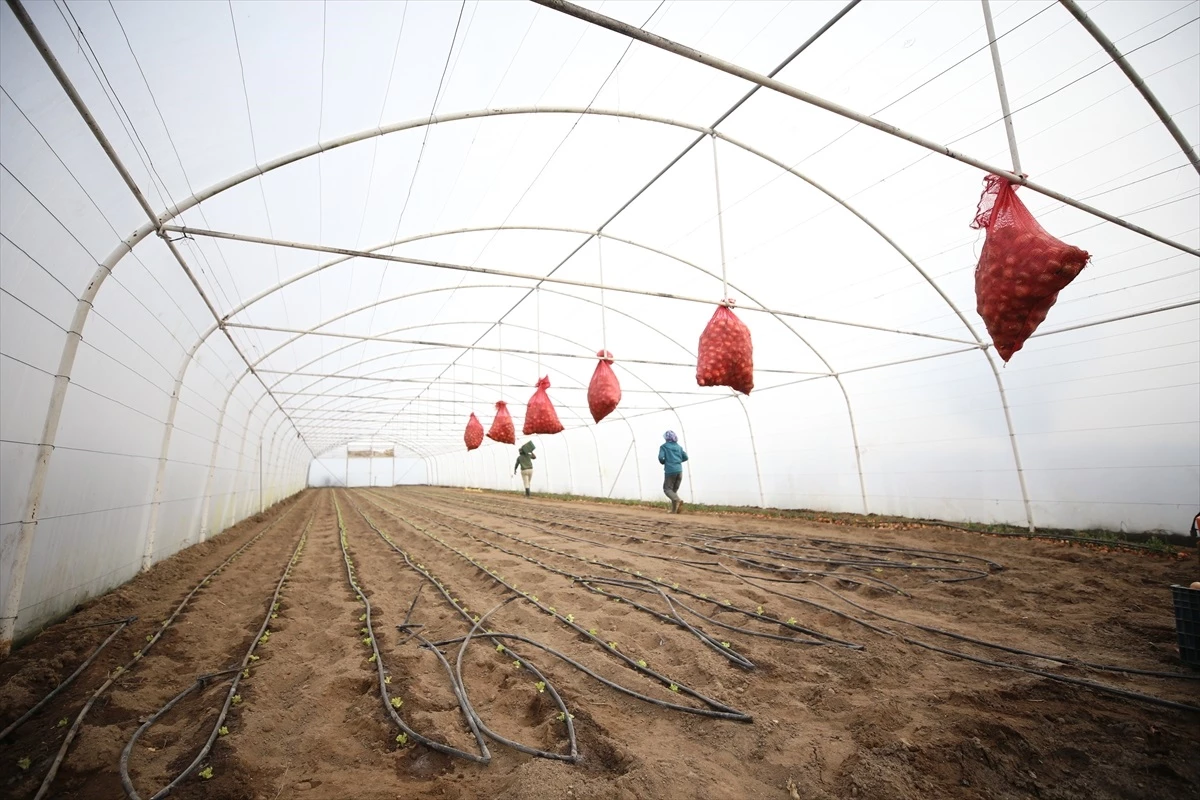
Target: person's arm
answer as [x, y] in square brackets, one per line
[516, 464]
[684, 453]
[662, 456]
[533, 455]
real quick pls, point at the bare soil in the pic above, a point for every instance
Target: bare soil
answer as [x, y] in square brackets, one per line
[848, 699]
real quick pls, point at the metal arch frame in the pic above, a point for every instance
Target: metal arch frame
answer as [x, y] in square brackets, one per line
[632, 432]
[74, 334]
[157, 224]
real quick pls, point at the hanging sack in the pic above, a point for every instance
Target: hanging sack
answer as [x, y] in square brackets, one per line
[502, 429]
[540, 416]
[474, 435]
[726, 353]
[1021, 269]
[604, 392]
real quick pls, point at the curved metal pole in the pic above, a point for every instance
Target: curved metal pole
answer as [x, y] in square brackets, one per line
[1134, 78]
[762, 502]
[811, 99]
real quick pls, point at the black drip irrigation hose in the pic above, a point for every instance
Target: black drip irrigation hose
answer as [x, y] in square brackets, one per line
[21, 720]
[723, 650]
[140, 654]
[456, 680]
[1100, 687]
[1046, 536]
[715, 708]
[566, 715]
[822, 638]
[733, 553]
[459, 688]
[483, 757]
[239, 672]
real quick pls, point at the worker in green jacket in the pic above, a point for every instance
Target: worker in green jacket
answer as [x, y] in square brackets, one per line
[525, 459]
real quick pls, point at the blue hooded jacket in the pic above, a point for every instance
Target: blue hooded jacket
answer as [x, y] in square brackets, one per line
[671, 456]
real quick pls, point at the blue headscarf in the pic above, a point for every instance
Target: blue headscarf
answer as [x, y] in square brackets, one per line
[670, 436]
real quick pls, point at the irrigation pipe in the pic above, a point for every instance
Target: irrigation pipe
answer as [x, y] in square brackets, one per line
[377, 658]
[677, 588]
[140, 654]
[715, 708]
[459, 688]
[240, 671]
[1100, 687]
[566, 715]
[726, 652]
[123, 624]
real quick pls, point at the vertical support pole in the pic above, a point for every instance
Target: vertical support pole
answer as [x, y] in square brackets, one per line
[260, 475]
[999, 72]
[762, 502]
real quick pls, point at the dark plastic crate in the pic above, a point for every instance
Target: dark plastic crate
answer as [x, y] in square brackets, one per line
[1187, 623]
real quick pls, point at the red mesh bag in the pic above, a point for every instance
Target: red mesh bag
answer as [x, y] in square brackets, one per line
[474, 435]
[1021, 269]
[502, 429]
[604, 392]
[726, 353]
[540, 416]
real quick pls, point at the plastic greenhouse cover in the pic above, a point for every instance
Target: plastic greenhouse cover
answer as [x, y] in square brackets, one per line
[872, 391]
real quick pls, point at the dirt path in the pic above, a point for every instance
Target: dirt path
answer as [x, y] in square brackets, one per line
[841, 707]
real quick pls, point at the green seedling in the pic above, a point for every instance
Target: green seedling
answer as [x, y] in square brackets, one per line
[137, 653]
[151, 636]
[367, 640]
[533, 597]
[475, 618]
[516, 665]
[703, 597]
[371, 660]
[274, 616]
[275, 607]
[397, 702]
[237, 699]
[364, 616]
[206, 773]
[245, 673]
[592, 631]
[24, 763]
[551, 609]
[673, 688]
[791, 621]
[253, 657]
[541, 686]
[402, 739]
[570, 617]
[725, 645]
[674, 585]
[363, 630]
[613, 645]
[759, 610]
[563, 717]
[642, 663]
[387, 679]
[62, 723]
[499, 648]
[223, 731]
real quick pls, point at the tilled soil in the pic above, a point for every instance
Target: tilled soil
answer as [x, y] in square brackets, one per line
[744, 657]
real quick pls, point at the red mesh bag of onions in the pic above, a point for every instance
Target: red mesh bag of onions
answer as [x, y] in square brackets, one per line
[604, 392]
[540, 416]
[474, 435]
[502, 429]
[726, 353]
[1021, 269]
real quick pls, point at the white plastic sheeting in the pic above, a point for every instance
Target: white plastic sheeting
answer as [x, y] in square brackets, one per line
[872, 394]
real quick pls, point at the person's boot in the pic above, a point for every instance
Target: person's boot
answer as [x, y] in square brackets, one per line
[527, 493]
[678, 506]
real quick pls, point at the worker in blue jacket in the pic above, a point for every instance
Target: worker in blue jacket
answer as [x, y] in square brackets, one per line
[672, 456]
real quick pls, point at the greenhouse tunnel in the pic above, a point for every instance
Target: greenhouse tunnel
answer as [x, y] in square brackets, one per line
[249, 248]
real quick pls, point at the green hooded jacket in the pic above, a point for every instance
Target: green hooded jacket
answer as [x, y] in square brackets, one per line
[525, 456]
